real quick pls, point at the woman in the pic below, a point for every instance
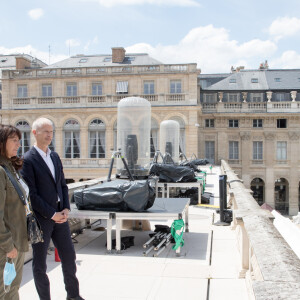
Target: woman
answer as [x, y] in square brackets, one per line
[13, 227]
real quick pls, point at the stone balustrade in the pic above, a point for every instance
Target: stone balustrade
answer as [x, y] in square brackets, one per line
[270, 266]
[86, 162]
[246, 107]
[101, 100]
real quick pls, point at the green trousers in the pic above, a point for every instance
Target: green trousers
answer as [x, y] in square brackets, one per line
[13, 293]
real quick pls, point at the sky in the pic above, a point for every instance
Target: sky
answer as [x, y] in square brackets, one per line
[215, 34]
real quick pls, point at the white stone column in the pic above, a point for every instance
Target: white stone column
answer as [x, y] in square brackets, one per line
[269, 162]
[294, 177]
[84, 143]
[245, 156]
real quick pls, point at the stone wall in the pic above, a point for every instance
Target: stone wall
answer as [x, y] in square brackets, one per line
[270, 266]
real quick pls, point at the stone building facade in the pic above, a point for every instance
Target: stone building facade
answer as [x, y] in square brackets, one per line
[251, 118]
[80, 95]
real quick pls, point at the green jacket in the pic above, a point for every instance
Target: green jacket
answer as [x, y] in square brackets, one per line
[13, 226]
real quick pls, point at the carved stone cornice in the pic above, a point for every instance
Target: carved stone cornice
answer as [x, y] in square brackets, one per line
[294, 135]
[269, 136]
[245, 135]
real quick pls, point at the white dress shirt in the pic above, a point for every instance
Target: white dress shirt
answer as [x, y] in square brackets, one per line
[47, 158]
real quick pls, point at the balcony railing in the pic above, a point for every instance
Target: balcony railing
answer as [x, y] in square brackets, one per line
[175, 97]
[46, 100]
[246, 107]
[99, 100]
[21, 101]
[71, 99]
[151, 98]
[86, 162]
[96, 99]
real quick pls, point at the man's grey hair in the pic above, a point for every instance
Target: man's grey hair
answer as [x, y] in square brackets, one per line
[40, 122]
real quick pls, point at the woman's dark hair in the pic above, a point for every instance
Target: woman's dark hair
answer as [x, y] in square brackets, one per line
[7, 131]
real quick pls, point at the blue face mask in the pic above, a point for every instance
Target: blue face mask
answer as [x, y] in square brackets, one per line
[9, 273]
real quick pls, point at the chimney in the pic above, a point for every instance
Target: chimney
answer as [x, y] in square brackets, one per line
[22, 63]
[118, 54]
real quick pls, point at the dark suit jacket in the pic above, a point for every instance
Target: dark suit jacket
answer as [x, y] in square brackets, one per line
[43, 188]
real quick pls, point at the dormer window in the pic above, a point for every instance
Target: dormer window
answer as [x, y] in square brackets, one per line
[107, 59]
[277, 79]
[83, 60]
[254, 80]
[232, 80]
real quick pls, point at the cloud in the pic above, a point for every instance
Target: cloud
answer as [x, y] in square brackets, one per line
[72, 42]
[94, 41]
[284, 27]
[42, 55]
[211, 48]
[36, 13]
[288, 60]
[112, 3]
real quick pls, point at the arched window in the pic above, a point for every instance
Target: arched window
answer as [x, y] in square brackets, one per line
[97, 139]
[24, 127]
[72, 139]
[182, 134]
[153, 137]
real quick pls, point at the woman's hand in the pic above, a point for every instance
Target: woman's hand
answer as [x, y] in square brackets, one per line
[12, 254]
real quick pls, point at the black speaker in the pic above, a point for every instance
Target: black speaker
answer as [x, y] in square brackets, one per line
[131, 150]
[169, 148]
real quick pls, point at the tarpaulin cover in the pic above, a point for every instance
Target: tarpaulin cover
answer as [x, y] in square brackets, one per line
[200, 162]
[117, 195]
[190, 164]
[172, 173]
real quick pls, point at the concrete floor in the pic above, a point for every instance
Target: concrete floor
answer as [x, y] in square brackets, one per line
[208, 267]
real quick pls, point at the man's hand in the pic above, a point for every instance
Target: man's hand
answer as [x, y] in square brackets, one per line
[66, 212]
[60, 217]
[12, 254]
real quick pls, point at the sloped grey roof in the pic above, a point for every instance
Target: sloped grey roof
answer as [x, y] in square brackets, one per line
[289, 79]
[98, 61]
[9, 61]
[243, 81]
[206, 80]
[266, 80]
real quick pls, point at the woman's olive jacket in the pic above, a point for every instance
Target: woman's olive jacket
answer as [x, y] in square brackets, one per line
[13, 226]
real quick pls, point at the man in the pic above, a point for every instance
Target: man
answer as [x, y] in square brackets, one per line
[43, 172]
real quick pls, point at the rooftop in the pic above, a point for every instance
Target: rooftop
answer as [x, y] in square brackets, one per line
[265, 79]
[208, 265]
[103, 60]
[216, 262]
